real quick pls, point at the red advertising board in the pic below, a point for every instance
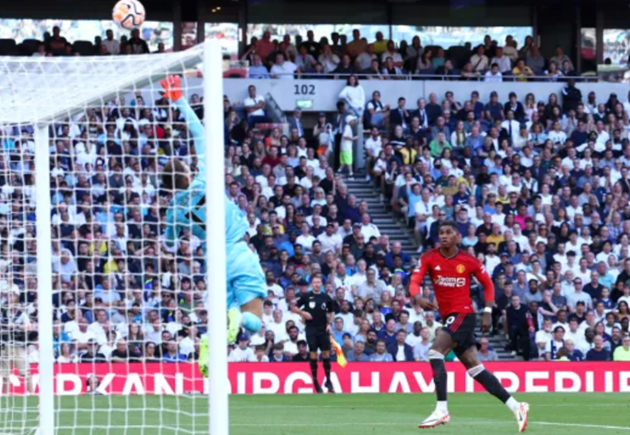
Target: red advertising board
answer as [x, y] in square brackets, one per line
[294, 378]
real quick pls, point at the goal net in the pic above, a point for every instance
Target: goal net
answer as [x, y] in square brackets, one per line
[103, 300]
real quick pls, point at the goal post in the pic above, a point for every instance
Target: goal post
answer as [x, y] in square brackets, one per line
[44, 275]
[215, 166]
[97, 133]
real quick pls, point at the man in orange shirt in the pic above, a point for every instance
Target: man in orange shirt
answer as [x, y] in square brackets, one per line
[264, 47]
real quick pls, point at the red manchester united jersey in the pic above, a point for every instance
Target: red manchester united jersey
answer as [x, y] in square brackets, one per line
[451, 279]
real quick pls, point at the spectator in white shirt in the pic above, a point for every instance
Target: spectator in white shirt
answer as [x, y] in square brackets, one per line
[272, 285]
[66, 266]
[328, 59]
[391, 52]
[112, 46]
[509, 50]
[283, 69]
[254, 106]
[81, 335]
[330, 240]
[368, 229]
[242, 353]
[278, 327]
[479, 60]
[504, 63]
[305, 239]
[556, 135]
[511, 125]
[602, 134]
[493, 74]
[353, 93]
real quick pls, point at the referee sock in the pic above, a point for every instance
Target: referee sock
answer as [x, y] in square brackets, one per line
[326, 362]
[493, 386]
[314, 370]
[251, 322]
[436, 359]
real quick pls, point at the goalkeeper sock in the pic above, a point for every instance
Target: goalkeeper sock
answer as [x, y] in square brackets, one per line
[326, 362]
[492, 385]
[314, 370]
[439, 374]
[251, 322]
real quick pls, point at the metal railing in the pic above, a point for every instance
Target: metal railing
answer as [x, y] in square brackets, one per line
[587, 78]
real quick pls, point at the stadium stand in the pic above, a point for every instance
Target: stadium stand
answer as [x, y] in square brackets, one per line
[539, 190]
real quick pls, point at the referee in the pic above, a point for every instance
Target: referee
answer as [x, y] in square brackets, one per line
[316, 308]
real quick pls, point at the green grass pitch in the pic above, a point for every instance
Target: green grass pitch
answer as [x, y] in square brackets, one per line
[360, 414]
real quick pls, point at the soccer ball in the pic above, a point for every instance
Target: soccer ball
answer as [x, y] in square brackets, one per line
[128, 14]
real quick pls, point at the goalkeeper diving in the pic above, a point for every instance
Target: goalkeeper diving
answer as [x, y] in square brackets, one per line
[246, 286]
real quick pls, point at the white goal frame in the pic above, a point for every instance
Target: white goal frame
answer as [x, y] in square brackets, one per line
[35, 111]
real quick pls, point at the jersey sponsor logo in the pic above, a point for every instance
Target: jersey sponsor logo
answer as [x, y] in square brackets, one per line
[460, 268]
[447, 281]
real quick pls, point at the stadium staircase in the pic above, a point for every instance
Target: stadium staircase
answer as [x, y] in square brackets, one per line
[383, 219]
[397, 231]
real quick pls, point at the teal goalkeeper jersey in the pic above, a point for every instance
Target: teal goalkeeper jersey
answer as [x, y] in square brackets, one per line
[188, 207]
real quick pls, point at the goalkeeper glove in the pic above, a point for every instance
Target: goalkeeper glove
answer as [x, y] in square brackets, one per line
[341, 358]
[204, 356]
[172, 87]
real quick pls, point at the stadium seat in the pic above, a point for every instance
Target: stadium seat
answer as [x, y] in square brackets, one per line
[8, 47]
[84, 48]
[29, 46]
[459, 55]
[235, 74]
[434, 48]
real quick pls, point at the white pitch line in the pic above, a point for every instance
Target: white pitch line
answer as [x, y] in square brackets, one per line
[590, 426]
[451, 405]
[460, 423]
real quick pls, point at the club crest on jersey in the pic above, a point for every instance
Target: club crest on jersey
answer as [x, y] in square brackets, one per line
[460, 268]
[311, 304]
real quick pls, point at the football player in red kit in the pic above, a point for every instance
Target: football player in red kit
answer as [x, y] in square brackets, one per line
[451, 271]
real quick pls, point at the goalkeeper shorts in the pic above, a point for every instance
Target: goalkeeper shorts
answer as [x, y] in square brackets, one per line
[245, 278]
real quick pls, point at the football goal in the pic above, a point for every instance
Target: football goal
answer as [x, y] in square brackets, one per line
[104, 299]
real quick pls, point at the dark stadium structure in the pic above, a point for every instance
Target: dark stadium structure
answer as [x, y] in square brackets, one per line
[554, 23]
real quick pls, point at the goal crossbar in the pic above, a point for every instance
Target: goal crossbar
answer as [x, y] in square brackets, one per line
[46, 89]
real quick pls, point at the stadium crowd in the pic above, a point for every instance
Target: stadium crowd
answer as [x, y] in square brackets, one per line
[490, 61]
[539, 191]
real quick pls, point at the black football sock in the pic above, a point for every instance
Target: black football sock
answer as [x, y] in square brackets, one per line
[314, 370]
[439, 374]
[326, 362]
[490, 383]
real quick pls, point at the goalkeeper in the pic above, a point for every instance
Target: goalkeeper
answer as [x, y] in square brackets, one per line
[246, 286]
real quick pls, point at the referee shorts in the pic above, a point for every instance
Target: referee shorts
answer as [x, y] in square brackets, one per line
[318, 340]
[461, 328]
